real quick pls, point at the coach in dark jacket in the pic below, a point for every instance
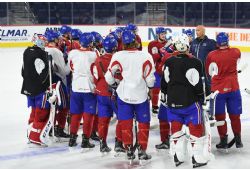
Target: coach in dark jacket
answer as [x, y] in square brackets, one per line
[200, 47]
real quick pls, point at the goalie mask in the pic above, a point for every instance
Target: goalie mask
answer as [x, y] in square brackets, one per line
[181, 43]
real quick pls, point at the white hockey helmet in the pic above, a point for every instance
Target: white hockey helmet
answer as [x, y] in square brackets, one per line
[181, 42]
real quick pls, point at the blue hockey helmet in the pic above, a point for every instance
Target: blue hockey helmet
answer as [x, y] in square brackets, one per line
[86, 39]
[65, 29]
[128, 37]
[160, 30]
[109, 44]
[97, 36]
[114, 35]
[52, 36]
[188, 32]
[222, 39]
[131, 27]
[75, 34]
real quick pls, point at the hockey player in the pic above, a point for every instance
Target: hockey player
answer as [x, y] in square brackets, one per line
[35, 73]
[134, 29]
[137, 71]
[60, 71]
[105, 101]
[181, 88]
[98, 42]
[82, 99]
[75, 34]
[118, 32]
[189, 33]
[65, 43]
[154, 49]
[221, 65]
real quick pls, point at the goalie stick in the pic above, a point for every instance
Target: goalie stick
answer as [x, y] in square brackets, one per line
[50, 123]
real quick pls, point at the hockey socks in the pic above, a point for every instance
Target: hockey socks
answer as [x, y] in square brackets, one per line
[127, 132]
[103, 124]
[164, 130]
[235, 123]
[88, 120]
[118, 131]
[61, 117]
[95, 123]
[155, 96]
[75, 123]
[143, 135]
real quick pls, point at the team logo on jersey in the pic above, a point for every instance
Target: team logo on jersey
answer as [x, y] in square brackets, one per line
[39, 65]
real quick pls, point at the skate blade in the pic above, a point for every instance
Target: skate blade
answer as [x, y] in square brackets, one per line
[119, 154]
[197, 165]
[62, 140]
[225, 151]
[144, 162]
[85, 150]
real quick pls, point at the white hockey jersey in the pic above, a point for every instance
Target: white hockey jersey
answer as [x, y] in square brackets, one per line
[60, 68]
[137, 70]
[81, 63]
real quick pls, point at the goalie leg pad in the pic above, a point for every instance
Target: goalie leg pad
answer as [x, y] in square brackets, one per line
[41, 118]
[199, 151]
[143, 135]
[178, 145]
[32, 115]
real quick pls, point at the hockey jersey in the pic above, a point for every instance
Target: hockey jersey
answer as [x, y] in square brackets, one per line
[221, 65]
[181, 81]
[60, 68]
[137, 69]
[81, 63]
[35, 71]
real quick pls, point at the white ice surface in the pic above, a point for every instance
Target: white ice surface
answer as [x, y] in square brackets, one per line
[14, 152]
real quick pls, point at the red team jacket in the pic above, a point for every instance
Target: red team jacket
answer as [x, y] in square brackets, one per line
[100, 82]
[226, 61]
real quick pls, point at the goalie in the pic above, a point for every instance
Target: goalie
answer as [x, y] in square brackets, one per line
[182, 91]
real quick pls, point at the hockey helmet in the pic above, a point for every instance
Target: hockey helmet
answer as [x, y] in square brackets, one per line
[128, 37]
[109, 44]
[86, 39]
[222, 39]
[181, 42]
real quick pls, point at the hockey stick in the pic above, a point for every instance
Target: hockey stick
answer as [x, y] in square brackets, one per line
[136, 136]
[206, 122]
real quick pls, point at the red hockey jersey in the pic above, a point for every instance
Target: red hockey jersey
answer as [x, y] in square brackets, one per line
[221, 65]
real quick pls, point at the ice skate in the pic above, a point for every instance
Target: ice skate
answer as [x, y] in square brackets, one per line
[130, 154]
[86, 145]
[176, 161]
[94, 136]
[163, 146]
[223, 145]
[61, 135]
[104, 149]
[119, 149]
[196, 164]
[143, 156]
[72, 140]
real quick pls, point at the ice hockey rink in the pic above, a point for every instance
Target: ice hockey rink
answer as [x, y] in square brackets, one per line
[15, 153]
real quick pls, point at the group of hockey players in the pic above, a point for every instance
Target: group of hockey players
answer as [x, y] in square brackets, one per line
[100, 77]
